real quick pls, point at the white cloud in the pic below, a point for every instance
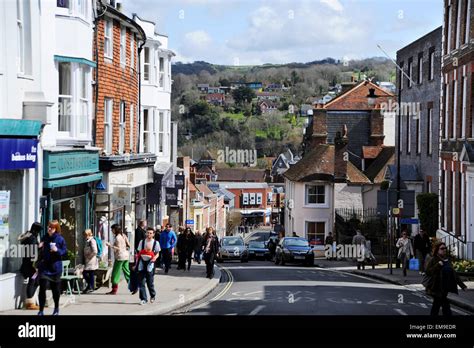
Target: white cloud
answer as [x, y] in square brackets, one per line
[333, 4]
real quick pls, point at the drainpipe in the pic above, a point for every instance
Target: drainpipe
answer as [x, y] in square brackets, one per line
[139, 94]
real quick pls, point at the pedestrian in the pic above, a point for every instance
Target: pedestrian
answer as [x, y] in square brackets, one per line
[140, 233]
[369, 256]
[148, 251]
[359, 241]
[168, 241]
[91, 262]
[190, 244]
[211, 247]
[329, 239]
[405, 251]
[53, 248]
[422, 248]
[271, 245]
[121, 249]
[442, 280]
[295, 235]
[27, 268]
[181, 246]
[198, 247]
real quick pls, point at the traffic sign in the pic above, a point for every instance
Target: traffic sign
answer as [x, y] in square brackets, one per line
[409, 221]
[189, 222]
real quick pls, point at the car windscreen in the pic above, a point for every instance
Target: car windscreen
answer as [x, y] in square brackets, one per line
[296, 242]
[260, 245]
[232, 242]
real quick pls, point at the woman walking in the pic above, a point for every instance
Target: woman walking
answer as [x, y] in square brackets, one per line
[181, 245]
[211, 247]
[52, 248]
[198, 247]
[121, 254]
[190, 243]
[91, 262]
[405, 251]
[442, 280]
[27, 269]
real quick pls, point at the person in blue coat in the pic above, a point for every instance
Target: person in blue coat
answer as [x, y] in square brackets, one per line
[168, 241]
[52, 250]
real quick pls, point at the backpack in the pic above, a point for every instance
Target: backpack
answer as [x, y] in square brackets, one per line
[99, 246]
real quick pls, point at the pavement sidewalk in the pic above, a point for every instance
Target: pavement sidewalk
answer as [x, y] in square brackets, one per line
[465, 299]
[173, 291]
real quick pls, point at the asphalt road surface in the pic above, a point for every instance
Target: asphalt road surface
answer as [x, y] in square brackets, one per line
[261, 288]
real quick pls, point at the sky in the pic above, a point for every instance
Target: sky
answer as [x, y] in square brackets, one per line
[254, 32]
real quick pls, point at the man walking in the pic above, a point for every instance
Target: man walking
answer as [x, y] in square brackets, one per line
[167, 242]
[422, 248]
[198, 247]
[359, 241]
[148, 251]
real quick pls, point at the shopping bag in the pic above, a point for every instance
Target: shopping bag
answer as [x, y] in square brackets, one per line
[414, 264]
[133, 282]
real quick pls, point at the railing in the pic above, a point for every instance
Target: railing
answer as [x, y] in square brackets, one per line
[457, 247]
[357, 213]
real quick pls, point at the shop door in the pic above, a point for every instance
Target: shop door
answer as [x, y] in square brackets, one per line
[71, 216]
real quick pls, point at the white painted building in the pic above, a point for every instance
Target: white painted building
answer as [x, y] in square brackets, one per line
[156, 129]
[46, 61]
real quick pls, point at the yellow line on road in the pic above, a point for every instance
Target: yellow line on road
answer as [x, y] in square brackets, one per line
[223, 291]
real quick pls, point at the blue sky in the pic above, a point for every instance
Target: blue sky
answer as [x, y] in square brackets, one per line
[248, 32]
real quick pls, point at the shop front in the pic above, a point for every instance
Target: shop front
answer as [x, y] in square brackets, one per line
[68, 178]
[19, 203]
[121, 196]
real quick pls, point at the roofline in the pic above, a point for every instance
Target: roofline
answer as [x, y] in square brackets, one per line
[420, 39]
[112, 10]
[143, 20]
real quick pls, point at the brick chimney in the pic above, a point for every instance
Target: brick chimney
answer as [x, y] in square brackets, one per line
[320, 133]
[376, 128]
[341, 156]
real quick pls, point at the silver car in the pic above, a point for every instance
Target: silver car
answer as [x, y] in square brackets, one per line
[233, 248]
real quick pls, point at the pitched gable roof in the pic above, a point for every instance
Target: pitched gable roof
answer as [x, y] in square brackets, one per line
[356, 98]
[318, 164]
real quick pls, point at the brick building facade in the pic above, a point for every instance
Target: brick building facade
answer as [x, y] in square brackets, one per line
[457, 130]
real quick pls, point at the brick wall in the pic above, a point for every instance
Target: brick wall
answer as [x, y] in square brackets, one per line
[119, 83]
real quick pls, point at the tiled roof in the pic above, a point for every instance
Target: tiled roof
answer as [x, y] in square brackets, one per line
[204, 189]
[317, 164]
[371, 152]
[355, 176]
[376, 171]
[356, 98]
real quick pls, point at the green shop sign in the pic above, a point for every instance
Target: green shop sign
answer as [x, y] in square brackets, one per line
[67, 164]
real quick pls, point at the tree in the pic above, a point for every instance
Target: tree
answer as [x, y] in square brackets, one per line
[428, 212]
[243, 95]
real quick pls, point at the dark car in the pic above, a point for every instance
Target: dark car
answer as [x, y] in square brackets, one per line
[233, 248]
[258, 250]
[295, 250]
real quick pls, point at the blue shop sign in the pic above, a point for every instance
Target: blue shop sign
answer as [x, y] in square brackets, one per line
[18, 153]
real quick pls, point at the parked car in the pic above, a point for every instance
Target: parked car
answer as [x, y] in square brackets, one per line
[295, 250]
[232, 248]
[258, 250]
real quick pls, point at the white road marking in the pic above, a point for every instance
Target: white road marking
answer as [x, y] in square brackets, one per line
[257, 309]
[400, 311]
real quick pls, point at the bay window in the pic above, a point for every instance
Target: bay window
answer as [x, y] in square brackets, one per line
[161, 122]
[162, 72]
[146, 64]
[146, 131]
[74, 100]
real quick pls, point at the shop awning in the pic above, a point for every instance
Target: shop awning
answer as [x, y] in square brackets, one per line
[72, 181]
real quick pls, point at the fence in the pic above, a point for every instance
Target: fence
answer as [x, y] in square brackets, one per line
[458, 248]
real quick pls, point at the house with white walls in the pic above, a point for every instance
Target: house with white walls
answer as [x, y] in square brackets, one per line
[156, 129]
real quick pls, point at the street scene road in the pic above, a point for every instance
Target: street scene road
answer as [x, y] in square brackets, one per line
[261, 288]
